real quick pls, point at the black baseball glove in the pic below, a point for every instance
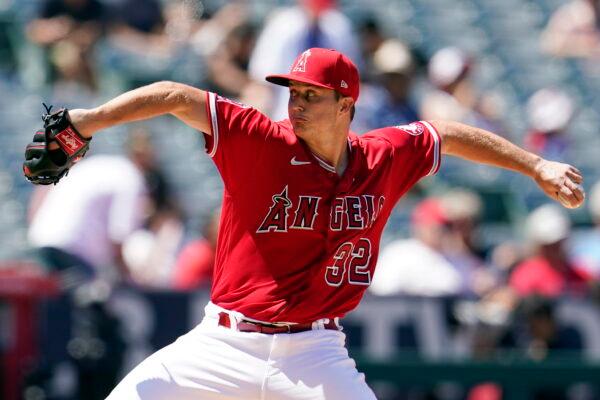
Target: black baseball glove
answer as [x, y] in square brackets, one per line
[44, 166]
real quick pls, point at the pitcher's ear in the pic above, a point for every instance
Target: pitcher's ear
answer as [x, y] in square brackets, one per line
[346, 104]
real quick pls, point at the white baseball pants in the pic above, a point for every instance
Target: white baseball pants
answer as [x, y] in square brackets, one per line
[214, 362]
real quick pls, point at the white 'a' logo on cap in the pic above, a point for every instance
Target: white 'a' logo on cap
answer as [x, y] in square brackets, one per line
[344, 84]
[301, 64]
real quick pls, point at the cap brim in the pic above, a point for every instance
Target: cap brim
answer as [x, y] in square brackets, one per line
[284, 80]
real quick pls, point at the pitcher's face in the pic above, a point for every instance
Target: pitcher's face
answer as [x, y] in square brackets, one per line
[311, 108]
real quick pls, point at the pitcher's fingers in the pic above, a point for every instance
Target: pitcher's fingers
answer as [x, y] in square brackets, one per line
[576, 170]
[575, 176]
[576, 189]
[568, 201]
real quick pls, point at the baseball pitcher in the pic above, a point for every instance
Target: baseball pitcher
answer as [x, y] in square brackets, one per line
[304, 206]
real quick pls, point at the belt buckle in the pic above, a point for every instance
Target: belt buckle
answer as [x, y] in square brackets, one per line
[288, 327]
[276, 327]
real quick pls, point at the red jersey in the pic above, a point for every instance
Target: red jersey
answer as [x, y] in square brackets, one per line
[296, 241]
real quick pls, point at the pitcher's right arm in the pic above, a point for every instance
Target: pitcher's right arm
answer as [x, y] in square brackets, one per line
[185, 102]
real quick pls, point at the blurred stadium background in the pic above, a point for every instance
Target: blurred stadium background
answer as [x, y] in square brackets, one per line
[526, 69]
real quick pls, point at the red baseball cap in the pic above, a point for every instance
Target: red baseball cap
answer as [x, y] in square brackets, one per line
[429, 212]
[326, 68]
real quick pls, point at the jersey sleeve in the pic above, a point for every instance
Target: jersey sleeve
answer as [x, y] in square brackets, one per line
[416, 153]
[238, 136]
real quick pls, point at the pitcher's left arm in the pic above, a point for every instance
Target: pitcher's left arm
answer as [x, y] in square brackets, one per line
[561, 182]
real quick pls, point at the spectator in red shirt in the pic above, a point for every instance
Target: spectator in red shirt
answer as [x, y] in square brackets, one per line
[549, 272]
[194, 265]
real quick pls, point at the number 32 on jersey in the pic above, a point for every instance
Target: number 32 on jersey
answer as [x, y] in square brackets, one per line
[351, 260]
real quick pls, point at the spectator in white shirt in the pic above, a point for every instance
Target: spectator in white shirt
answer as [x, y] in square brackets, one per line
[416, 266]
[80, 224]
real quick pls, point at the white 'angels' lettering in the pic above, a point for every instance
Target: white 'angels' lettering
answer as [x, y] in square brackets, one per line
[276, 219]
[348, 212]
[354, 212]
[306, 213]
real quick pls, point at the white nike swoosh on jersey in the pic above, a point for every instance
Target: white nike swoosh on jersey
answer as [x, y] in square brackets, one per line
[293, 161]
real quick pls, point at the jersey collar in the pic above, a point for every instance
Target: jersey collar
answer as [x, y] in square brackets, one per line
[327, 166]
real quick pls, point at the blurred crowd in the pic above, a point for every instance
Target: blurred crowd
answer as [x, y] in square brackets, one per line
[117, 218]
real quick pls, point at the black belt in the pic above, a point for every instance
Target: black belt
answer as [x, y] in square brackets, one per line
[270, 329]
